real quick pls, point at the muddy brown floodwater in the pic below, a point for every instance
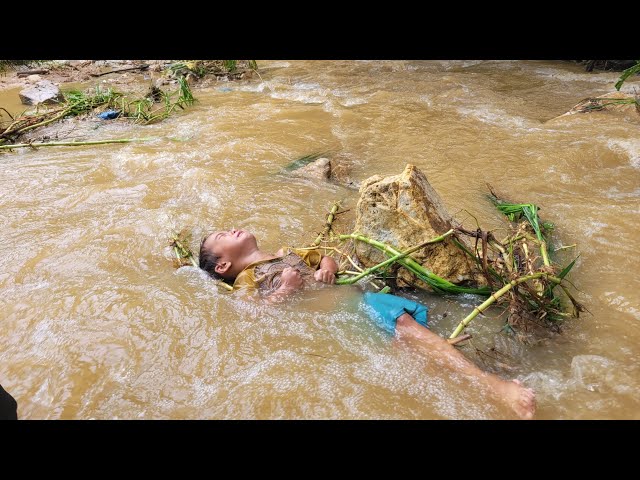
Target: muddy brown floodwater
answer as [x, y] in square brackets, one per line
[96, 323]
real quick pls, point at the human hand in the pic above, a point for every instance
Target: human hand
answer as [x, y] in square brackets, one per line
[291, 279]
[386, 308]
[324, 276]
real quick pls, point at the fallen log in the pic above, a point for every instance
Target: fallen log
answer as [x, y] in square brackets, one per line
[26, 73]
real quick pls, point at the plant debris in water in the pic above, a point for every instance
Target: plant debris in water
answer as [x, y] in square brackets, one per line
[519, 273]
[142, 111]
[521, 278]
[232, 69]
[304, 160]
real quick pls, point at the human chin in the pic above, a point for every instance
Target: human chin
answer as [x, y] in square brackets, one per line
[246, 235]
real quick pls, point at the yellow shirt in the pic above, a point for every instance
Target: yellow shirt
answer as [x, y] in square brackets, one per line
[265, 274]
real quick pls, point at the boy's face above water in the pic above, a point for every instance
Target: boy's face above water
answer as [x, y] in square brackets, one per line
[230, 244]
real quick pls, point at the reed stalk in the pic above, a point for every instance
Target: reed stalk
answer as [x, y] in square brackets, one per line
[495, 296]
[375, 268]
[439, 285]
[72, 144]
[327, 225]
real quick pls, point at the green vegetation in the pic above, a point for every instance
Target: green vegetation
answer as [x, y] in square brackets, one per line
[220, 68]
[627, 73]
[78, 103]
[305, 160]
[518, 271]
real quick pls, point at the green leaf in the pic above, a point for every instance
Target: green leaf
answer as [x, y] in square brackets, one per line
[566, 270]
[627, 73]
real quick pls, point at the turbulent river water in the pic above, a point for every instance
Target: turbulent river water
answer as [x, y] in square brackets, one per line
[96, 323]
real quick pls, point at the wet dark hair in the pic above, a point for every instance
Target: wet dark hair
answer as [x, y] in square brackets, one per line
[208, 260]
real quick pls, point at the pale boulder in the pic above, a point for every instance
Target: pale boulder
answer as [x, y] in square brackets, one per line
[43, 91]
[404, 211]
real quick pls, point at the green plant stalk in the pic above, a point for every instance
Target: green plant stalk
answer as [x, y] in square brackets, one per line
[545, 255]
[190, 257]
[530, 211]
[73, 144]
[476, 259]
[46, 122]
[438, 284]
[494, 297]
[10, 130]
[328, 224]
[541, 243]
[369, 271]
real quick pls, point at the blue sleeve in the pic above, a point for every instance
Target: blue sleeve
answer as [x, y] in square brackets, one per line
[385, 309]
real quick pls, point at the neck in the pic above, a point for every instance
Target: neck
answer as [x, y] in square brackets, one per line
[251, 257]
[256, 256]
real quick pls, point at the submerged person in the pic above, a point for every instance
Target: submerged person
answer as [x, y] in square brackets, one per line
[234, 256]
[408, 320]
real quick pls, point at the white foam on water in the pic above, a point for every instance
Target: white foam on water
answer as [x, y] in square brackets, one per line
[494, 116]
[620, 303]
[629, 147]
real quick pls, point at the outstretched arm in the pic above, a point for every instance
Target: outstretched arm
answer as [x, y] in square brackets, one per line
[326, 272]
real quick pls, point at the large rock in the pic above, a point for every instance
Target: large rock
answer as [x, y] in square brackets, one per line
[404, 211]
[320, 169]
[336, 170]
[43, 91]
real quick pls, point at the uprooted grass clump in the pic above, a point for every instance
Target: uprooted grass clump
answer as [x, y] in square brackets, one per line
[155, 106]
[521, 277]
[232, 69]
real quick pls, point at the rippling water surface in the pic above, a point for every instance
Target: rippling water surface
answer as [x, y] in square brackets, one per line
[95, 322]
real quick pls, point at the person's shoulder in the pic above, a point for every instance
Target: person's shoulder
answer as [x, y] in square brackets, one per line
[246, 278]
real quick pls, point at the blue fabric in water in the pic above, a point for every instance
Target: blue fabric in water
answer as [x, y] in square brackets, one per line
[385, 309]
[109, 114]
